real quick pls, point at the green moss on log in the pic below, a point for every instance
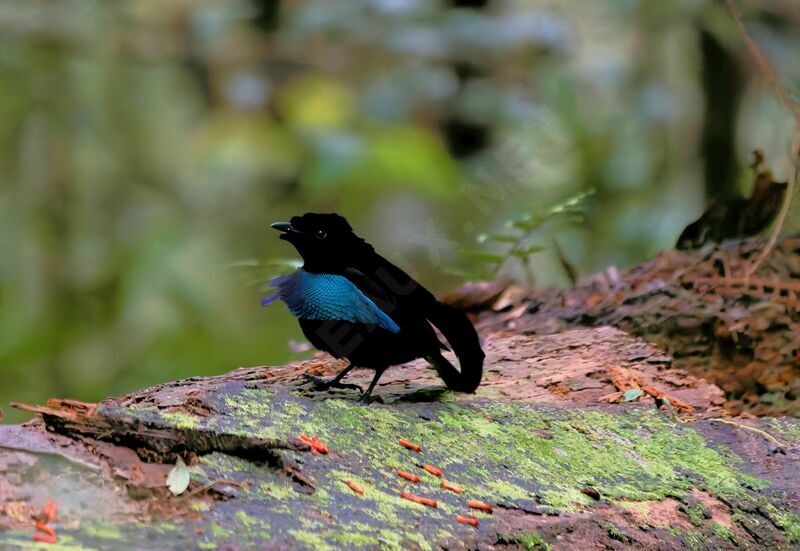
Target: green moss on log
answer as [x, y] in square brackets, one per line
[511, 455]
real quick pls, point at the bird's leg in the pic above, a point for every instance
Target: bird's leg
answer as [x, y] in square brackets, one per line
[325, 384]
[367, 396]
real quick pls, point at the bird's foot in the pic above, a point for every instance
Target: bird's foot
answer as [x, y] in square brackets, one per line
[369, 398]
[319, 383]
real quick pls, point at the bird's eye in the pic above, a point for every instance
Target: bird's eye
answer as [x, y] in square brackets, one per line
[321, 234]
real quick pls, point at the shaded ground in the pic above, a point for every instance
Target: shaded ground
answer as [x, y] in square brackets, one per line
[539, 442]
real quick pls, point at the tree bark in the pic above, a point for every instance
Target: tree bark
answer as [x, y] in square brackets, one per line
[587, 438]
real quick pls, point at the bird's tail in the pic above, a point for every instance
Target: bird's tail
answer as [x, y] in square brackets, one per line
[463, 339]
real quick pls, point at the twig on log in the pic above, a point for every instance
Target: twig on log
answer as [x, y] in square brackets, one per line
[765, 434]
[208, 486]
[787, 201]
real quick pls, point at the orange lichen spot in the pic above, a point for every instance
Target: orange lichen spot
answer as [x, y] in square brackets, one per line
[49, 511]
[355, 487]
[315, 443]
[452, 487]
[410, 445]
[418, 499]
[467, 520]
[42, 527]
[475, 504]
[408, 476]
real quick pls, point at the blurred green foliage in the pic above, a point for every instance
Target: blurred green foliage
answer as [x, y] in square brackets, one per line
[517, 237]
[146, 145]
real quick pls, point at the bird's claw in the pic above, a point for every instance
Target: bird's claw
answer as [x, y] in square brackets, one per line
[319, 383]
[368, 399]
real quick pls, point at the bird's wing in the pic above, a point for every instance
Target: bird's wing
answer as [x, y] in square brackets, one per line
[393, 283]
[329, 297]
[395, 291]
[415, 302]
[376, 292]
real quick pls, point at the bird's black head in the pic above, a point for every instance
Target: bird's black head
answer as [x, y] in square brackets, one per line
[325, 241]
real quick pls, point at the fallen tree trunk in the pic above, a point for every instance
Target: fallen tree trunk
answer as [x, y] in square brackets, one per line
[740, 333]
[587, 438]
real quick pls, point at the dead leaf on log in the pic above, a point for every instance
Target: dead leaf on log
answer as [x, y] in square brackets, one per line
[738, 217]
[178, 478]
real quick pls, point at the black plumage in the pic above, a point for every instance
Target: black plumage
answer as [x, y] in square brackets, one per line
[334, 257]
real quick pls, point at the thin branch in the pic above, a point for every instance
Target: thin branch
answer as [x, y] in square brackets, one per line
[771, 75]
[766, 67]
[208, 486]
[787, 201]
[763, 433]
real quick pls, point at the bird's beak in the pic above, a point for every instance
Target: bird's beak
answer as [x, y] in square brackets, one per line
[286, 228]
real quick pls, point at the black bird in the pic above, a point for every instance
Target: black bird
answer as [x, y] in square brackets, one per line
[353, 303]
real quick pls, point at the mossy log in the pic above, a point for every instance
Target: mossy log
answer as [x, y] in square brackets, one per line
[540, 443]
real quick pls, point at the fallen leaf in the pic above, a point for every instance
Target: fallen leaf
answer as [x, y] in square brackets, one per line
[632, 394]
[178, 478]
